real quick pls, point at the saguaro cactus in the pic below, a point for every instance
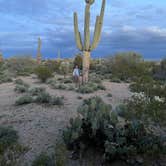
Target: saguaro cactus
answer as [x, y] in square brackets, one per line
[59, 56]
[1, 57]
[39, 51]
[87, 47]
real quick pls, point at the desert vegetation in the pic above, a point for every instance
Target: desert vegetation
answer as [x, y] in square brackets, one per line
[102, 127]
[112, 113]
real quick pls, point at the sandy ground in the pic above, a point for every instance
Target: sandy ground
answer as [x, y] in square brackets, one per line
[39, 125]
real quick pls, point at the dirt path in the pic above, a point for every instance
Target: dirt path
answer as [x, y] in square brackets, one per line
[39, 125]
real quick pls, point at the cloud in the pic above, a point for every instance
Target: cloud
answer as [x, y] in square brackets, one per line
[128, 25]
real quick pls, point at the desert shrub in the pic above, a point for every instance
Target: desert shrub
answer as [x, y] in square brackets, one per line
[109, 95]
[43, 73]
[57, 101]
[64, 68]
[26, 99]
[67, 81]
[21, 82]
[8, 137]
[39, 95]
[144, 108]
[4, 75]
[90, 88]
[59, 86]
[96, 127]
[53, 65]
[126, 66]
[43, 97]
[20, 65]
[36, 91]
[20, 88]
[159, 71]
[43, 160]
[149, 103]
[115, 79]
[5, 78]
[10, 150]
[60, 154]
[71, 87]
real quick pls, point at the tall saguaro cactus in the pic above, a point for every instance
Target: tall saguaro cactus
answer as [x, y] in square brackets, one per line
[86, 46]
[59, 56]
[39, 51]
[1, 57]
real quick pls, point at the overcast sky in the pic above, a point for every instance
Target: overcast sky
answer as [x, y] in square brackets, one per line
[129, 25]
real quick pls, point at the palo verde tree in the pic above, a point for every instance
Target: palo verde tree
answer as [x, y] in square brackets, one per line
[39, 51]
[87, 47]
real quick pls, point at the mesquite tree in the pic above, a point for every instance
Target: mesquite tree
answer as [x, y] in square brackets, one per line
[87, 47]
[39, 51]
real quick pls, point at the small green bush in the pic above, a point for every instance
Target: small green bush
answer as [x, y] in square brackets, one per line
[36, 91]
[109, 95]
[60, 154]
[116, 80]
[19, 81]
[5, 78]
[43, 97]
[8, 137]
[22, 83]
[67, 81]
[43, 160]
[20, 89]
[26, 99]
[43, 73]
[20, 66]
[57, 101]
[90, 88]
[10, 150]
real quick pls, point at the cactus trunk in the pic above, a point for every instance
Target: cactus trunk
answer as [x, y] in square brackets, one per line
[86, 65]
[39, 52]
[1, 58]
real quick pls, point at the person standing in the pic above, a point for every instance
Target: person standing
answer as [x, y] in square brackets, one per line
[76, 75]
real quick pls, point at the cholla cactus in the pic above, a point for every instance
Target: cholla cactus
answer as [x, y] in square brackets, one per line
[39, 51]
[87, 47]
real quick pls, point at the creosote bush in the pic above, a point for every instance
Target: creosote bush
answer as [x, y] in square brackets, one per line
[90, 87]
[26, 99]
[39, 95]
[149, 102]
[43, 73]
[43, 160]
[8, 137]
[21, 86]
[99, 128]
[21, 65]
[10, 150]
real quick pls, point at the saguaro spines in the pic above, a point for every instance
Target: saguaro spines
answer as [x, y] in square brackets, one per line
[88, 47]
[39, 57]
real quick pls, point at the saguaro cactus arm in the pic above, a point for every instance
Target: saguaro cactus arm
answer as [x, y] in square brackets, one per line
[98, 27]
[77, 33]
[87, 28]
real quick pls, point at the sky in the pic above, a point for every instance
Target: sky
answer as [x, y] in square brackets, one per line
[129, 25]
